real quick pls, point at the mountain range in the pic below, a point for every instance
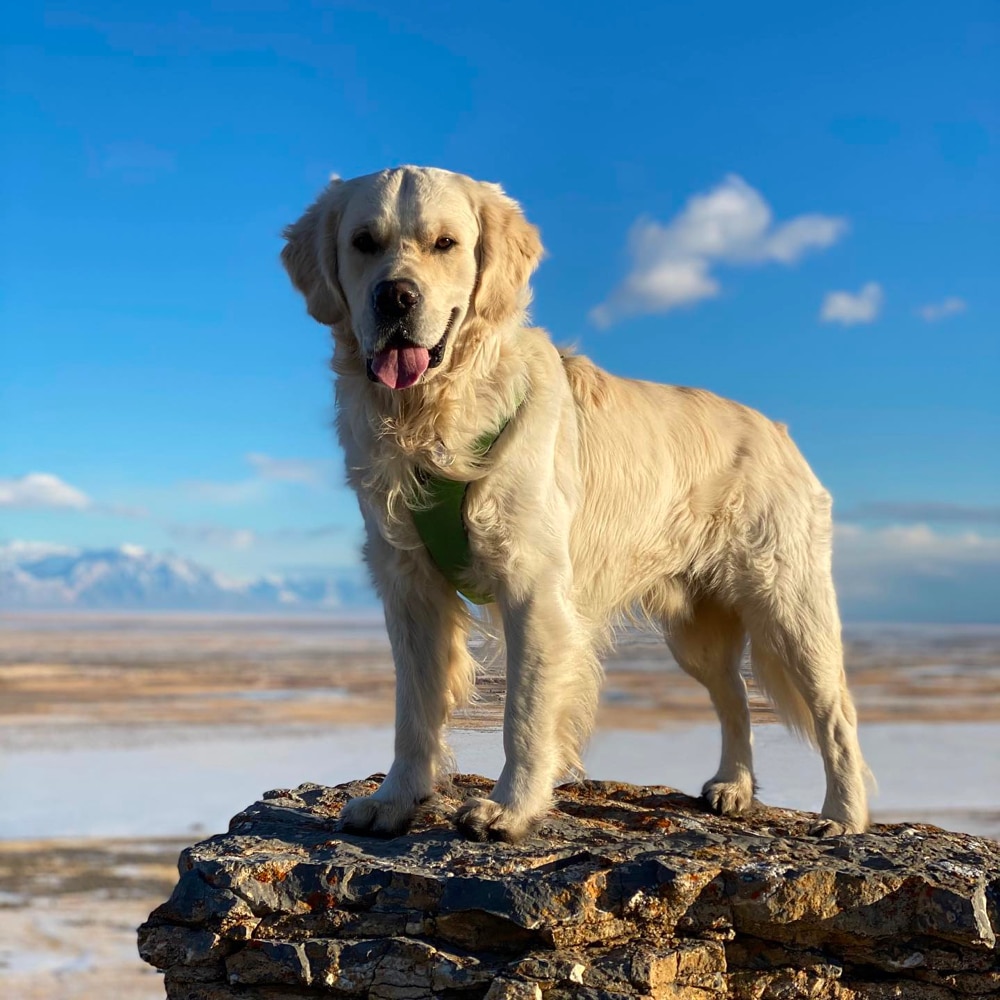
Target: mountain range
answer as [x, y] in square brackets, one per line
[42, 576]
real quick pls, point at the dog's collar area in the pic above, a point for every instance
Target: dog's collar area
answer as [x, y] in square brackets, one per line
[440, 520]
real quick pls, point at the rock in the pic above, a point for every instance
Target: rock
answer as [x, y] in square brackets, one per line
[623, 892]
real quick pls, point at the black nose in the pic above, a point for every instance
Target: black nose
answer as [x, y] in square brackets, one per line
[394, 299]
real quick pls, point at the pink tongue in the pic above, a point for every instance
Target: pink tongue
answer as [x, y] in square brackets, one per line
[400, 367]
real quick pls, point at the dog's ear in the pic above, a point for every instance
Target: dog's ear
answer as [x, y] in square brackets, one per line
[509, 251]
[310, 256]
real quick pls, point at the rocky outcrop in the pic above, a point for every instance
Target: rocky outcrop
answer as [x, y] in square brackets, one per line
[623, 892]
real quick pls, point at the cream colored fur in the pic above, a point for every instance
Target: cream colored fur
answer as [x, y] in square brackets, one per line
[604, 497]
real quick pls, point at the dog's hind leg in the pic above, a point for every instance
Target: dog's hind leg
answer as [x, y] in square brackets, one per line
[708, 645]
[797, 659]
[427, 626]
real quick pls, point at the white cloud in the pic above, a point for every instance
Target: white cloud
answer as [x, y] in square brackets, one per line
[238, 492]
[289, 470]
[909, 542]
[925, 512]
[934, 311]
[913, 573]
[267, 469]
[41, 491]
[731, 224]
[18, 551]
[121, 510]
[848, 309]
[217, 535]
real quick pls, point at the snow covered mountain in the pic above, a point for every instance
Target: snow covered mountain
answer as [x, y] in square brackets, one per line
[39, 575]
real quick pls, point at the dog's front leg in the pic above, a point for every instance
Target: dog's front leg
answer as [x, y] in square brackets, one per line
[427, 631]
[553, 678]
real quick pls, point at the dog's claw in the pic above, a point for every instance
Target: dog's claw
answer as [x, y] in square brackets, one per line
[824, 829]
[484, 819]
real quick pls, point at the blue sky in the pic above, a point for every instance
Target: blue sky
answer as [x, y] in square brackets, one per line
[794, 205]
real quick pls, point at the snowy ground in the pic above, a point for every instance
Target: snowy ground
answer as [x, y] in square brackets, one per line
[190, 782]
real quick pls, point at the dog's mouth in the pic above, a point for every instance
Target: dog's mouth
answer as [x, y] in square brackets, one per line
[400, 363]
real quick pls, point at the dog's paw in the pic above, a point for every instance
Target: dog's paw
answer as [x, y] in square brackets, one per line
[824, 828]
[728, 798]
[484, 819]
[377, 817]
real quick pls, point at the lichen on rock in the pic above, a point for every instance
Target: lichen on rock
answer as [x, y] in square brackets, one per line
[623, 891]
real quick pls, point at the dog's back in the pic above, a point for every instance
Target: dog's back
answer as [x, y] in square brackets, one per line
[684, 486]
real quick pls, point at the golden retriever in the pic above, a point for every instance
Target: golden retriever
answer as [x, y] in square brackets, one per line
[602, 498]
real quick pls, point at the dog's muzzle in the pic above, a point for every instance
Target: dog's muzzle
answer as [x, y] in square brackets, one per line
[399, 362]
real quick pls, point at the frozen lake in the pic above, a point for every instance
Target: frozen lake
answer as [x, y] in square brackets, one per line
[192, 780]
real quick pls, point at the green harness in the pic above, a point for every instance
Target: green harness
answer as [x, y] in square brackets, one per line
[440, 523]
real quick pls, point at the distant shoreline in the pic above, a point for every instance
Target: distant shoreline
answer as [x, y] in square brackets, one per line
[365, 615]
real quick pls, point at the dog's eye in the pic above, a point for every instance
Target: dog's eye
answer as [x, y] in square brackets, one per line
[444, 243]
[364, 243]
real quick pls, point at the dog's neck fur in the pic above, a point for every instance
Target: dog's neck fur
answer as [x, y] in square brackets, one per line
[433, 426]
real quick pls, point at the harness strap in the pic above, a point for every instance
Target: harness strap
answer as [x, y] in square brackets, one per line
[440, 522]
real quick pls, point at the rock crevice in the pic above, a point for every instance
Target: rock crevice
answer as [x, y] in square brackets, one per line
[624, 891]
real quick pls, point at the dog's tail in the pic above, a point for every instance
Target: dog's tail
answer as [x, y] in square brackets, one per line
[775, 680]
[775, 683]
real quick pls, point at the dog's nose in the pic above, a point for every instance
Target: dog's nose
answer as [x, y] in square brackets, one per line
[394, 299]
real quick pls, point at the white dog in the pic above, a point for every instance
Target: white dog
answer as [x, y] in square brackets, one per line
[575, 498]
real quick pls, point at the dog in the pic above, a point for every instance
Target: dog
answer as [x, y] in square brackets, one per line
[582, 498]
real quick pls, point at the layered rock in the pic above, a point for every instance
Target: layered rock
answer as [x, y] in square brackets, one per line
[623, 892]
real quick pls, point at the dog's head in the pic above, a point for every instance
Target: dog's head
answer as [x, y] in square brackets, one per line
[404, 260]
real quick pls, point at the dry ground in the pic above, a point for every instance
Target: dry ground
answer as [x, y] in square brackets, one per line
[187, 671]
